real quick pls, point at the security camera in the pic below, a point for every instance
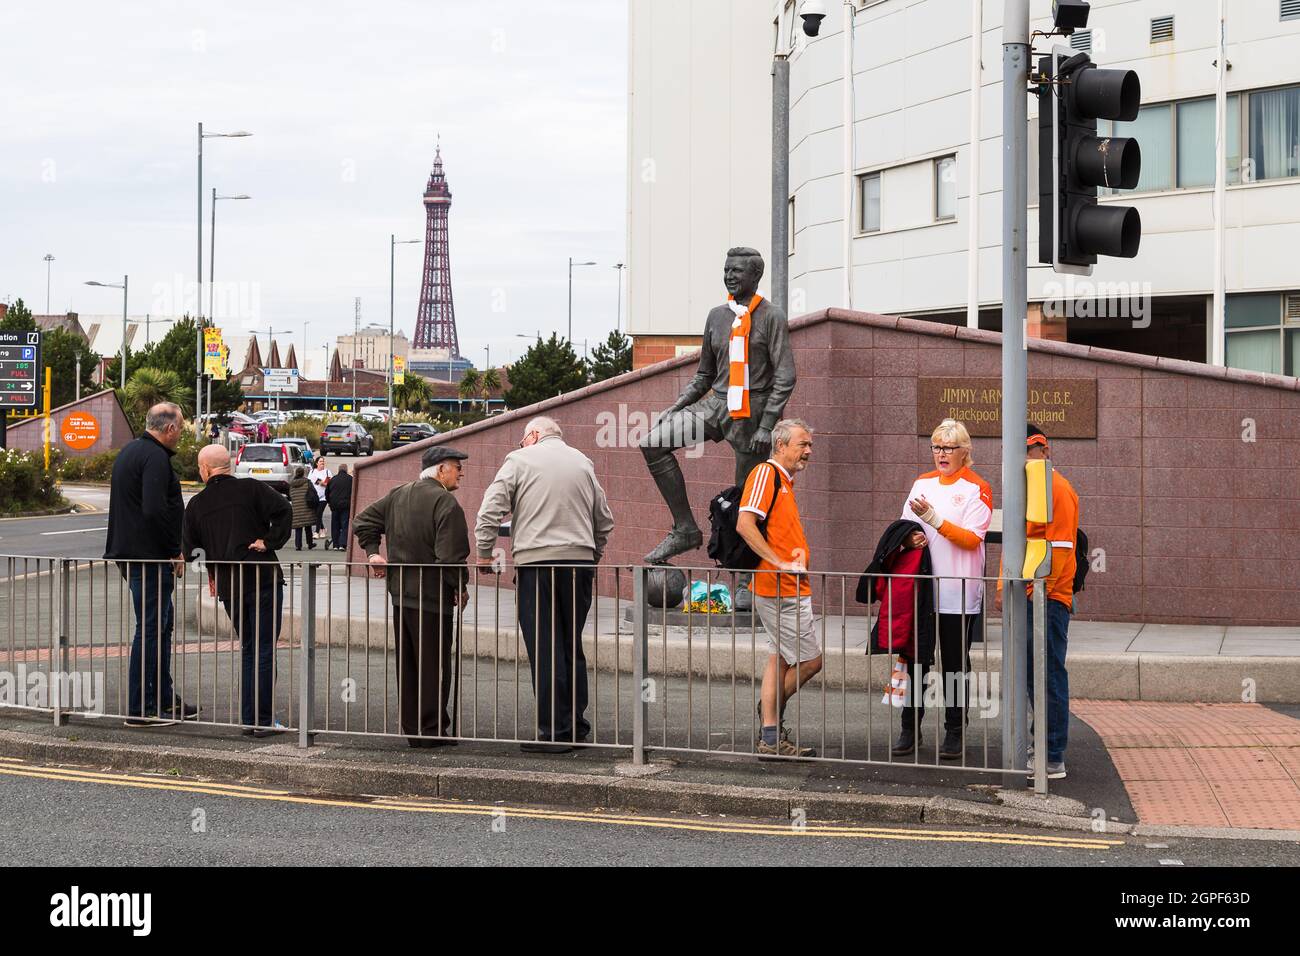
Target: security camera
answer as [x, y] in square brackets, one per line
[1069, 15]
[813, 12]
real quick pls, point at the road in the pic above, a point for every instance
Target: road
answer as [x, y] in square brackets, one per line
[107, 818]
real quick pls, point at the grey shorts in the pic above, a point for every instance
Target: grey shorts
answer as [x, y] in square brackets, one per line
[789, 621]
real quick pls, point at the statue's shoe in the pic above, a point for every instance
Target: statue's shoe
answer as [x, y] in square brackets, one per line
[679, 541]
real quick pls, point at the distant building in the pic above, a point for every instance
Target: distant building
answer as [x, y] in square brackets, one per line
[371, 348]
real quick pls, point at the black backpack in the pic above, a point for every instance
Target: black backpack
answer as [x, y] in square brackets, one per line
[1081, 560]
[726, 546]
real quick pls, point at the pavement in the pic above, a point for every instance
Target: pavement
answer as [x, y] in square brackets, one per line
[1173, 727]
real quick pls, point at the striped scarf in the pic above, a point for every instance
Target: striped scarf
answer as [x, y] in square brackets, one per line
[738, 354]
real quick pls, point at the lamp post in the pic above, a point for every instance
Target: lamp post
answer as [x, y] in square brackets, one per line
[48, 259]
[198, 352]
[393, 243]
[618, 314]
[571, 265]
[123, 287]
[148, 320]
[212, 252]
[326, 347]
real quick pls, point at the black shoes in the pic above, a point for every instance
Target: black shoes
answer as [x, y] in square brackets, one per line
[546, 747]
[905, 745]
[951, 748]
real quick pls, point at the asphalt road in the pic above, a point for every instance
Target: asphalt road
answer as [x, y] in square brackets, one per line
[53, 816]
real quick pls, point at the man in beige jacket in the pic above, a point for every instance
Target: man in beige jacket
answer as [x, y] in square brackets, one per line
[559, 524]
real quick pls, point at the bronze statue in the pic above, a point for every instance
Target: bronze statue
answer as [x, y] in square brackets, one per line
[745, 377]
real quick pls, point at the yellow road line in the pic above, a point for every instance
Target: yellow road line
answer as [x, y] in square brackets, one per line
[705, 826]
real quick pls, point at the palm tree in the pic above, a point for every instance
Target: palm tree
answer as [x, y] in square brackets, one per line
[149, 386]
[489, 382]
[470, 384]
[414, 392]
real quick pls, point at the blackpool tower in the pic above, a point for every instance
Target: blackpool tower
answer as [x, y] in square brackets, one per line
[435, 323]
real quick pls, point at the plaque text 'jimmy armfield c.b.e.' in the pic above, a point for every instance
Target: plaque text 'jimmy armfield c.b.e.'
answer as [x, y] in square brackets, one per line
[1063, 408]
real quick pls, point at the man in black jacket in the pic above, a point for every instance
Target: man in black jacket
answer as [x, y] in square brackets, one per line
[144, 537]
[338, 495]
[235, 526]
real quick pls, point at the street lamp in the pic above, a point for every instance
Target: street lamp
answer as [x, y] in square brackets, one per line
[114, 285]
[212, 251]
[618, 315]
[147, 321]
[48, 259]
[571, 265]
[198, 352]
[393, 243]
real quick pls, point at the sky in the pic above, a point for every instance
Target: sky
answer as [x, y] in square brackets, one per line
[99, 106]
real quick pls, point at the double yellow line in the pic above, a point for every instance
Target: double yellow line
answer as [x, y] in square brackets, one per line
[18, 768]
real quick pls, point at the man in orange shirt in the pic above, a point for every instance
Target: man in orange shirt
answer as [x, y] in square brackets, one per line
[1062, 535]
[782, 592]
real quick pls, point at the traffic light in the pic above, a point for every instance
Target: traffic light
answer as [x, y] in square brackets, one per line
[1073, 161]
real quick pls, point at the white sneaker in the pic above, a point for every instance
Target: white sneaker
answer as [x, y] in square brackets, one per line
[1055, 769]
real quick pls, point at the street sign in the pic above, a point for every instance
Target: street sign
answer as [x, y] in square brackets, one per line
[20, 364]
[280, 379]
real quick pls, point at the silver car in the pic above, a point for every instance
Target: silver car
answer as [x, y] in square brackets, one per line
[273, 464]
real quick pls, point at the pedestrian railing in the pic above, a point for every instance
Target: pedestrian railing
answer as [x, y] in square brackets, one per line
[546, 656]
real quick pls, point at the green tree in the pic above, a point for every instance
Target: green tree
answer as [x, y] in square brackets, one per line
[149, 386]
[60, 350]
[614, 357]
[470, 385]
[547, 369]
[414, 392]
[489, 382]
[175, 352]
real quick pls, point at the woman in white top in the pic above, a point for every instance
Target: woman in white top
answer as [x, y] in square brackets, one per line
[954, 506]
[319, 476]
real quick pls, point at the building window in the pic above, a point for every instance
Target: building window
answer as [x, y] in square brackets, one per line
[1263, 333]
[1196, 147]
[945, 188]
[1275, 133]
[869, 214]
[1154, 131]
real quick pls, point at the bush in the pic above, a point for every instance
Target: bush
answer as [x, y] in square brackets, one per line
[186, 460]
[308, 428]
[88, 468]
[25, 485]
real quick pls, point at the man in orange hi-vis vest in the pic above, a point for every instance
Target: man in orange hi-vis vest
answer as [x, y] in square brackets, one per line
[1062, 535]
[738, 394]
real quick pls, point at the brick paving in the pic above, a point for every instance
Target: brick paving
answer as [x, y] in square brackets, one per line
[1215, 765]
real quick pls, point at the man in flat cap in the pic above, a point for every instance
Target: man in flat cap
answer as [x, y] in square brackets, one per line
[424, 530]
[559, 524]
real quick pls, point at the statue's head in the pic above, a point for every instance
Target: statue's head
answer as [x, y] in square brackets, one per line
[741, 272]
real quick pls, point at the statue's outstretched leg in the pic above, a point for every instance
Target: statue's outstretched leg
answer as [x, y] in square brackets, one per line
[676, 430]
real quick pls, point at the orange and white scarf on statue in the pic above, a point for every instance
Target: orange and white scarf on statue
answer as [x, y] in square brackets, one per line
[738, 355]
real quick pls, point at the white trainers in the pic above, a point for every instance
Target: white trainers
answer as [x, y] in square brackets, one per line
[1055, 769]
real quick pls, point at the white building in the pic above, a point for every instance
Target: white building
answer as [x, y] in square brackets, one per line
[370, 347]
[912, 241]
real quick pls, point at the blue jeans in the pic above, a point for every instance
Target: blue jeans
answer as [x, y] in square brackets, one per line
[1058, 681]
[255, 613]
[151, 596]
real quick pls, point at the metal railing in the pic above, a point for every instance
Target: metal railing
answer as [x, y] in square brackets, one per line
[552, 655]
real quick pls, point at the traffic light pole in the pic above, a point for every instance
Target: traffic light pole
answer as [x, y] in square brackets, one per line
[1015, 388]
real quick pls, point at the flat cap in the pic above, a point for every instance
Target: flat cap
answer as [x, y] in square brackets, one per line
[440, 453]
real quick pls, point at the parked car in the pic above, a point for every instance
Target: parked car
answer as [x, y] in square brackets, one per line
[308, 456]
[272, 417]
[351, 437]
[379, 415]
[272, 463]
[408, 432]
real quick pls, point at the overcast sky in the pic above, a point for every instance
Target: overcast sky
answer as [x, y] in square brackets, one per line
[99, 104]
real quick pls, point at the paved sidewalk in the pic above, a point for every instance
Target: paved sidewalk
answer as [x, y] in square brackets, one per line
[1211, 765]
